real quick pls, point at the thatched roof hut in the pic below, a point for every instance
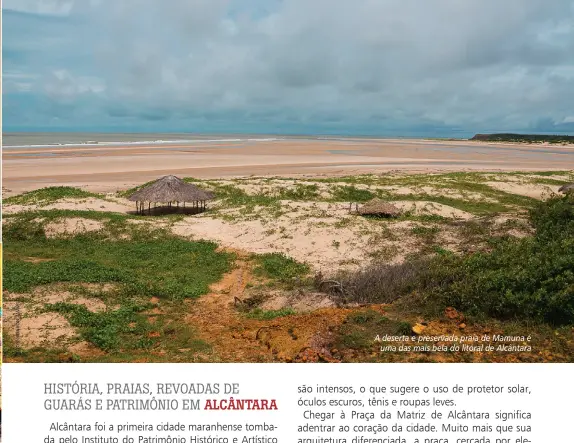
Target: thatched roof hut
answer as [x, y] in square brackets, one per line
[170, 189]
[380, 208]
[567, 189]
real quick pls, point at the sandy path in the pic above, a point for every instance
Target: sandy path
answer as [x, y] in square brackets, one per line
[236, 338]
[219, 325]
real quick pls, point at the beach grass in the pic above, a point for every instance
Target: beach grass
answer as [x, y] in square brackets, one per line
[505, 263]
[279, 267]
[50, 195]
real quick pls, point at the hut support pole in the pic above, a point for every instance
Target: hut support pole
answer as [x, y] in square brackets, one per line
[149, 208]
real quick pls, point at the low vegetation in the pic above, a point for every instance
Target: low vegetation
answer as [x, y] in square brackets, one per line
[149, 265]
[525, 138]
[261, 314]
[499, 258]
[49, 195]
[529, 279]
[109, 330]
[360, 327]
[279, 267]
[165, 268]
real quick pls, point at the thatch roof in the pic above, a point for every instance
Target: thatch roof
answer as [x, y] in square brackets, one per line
[170, 189]
[566, 189]
[380, 208]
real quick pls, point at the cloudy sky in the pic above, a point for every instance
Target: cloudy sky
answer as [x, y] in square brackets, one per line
[388, 67]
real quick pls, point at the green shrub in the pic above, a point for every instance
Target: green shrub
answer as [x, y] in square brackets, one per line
[554, 218]
[351, 194]
[166, 267]
[300, 192]
[109, 329]
[24, 230]
[48, 195]
[529, 278]
[260, 314]
[279, 267]
[526, 279]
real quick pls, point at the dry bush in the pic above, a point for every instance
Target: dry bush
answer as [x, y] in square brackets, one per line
[379, 283]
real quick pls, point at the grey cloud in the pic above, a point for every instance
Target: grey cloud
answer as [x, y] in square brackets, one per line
[401, 63]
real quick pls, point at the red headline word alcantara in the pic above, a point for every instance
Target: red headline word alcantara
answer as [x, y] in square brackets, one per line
[232, 404]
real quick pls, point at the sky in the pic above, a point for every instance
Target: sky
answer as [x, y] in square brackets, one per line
[372, 67]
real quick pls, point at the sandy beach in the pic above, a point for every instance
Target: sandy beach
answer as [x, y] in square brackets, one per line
[284, 223]
[103, 168]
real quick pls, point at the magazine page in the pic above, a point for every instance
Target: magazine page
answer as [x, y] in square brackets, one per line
[315, 221]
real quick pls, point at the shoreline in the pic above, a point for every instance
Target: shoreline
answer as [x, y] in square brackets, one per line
[102, 168]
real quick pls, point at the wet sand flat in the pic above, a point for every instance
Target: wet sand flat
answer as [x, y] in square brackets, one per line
[109, 167]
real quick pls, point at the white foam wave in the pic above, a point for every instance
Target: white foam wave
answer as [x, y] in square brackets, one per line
[124, 143]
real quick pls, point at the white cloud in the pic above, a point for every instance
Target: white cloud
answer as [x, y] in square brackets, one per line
[62, 84]
[48, 7]
[405, 63]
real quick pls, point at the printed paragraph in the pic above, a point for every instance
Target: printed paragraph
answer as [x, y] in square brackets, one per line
[395, 413]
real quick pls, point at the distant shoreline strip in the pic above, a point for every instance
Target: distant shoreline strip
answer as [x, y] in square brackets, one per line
[148, 142]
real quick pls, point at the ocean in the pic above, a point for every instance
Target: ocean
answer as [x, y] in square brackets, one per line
[45, 139]
[51, 139]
